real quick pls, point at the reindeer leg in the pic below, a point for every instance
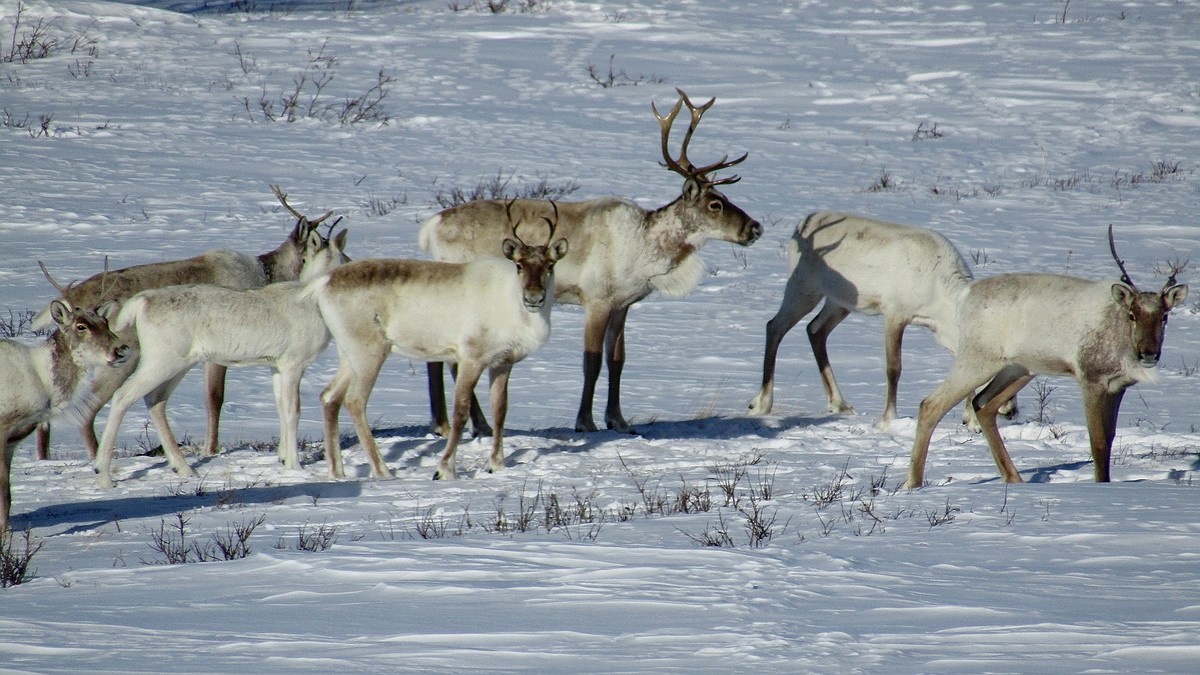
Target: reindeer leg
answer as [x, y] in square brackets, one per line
[964, 377]
[893, 340]
[331, 403]
[156, 400]
[614, 342]
[498, 377]
[793, 308]
[595, 324]
[105, 384]
[359, 390]
[437, 398]
[479, 423]
[1101, 408]
[286, 381]
[214, 382]
[818, 334]
[140, 384]
[987, 404]
[468, 376]
[6, 457]
[43, 440]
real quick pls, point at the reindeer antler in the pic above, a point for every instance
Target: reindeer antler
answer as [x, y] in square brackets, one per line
[62, 290]
[1112, 246]
[282, 196]
[552, 223]
[683, 166]
[508, 214]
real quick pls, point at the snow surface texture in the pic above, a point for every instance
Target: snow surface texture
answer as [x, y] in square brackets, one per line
[1019, 130]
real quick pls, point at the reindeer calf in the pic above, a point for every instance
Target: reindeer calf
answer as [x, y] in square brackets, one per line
[485, 314]
[42, 380]
[180, 326]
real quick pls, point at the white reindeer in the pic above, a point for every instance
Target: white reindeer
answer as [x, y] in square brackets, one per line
[221, 267]
[1106, 335]
[180, 326]
[910, 275]
[620, 253]
[42, 380]
[488, 314]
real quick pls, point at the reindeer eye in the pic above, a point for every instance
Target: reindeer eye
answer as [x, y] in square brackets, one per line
[715, 206]
[81, 327]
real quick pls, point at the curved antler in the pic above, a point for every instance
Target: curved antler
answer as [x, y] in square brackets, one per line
[1112, 246]
[552, 223]
[282, 196]
[62, 290]
[683, 166]
[508, 214]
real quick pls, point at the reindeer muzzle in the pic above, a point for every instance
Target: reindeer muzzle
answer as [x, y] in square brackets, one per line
[533, 302]
[1148, 359]
[751, 232]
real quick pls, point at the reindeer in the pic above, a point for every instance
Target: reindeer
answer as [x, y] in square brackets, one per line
[220, 267]
[910, 275]
[180, 326]
[620, 253]
[42, 380]
[489, 314]
[1106, 335]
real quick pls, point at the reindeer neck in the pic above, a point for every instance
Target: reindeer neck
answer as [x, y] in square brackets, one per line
[270, 263]
[672, 256]
[670, 233]
[65, 373]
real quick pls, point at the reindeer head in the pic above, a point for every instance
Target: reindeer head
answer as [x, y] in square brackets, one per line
[1147, 310]
[84, 334]
[323, 253]
[287, 262]
[535, 264]
[703, 202]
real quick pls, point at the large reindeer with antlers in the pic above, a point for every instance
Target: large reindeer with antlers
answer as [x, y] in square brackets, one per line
[486, 314]
[221, 267]
[620, 253]
[1106, 335]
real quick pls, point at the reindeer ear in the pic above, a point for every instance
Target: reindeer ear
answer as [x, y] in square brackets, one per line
[339, 240]
[1124, 295]
[62, 312]
[510, 248]
[313, 241]
[108, 310]
[558, 250]
[1175, 295]
[691, 189]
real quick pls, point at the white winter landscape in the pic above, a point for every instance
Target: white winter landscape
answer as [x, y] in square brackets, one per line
[1020, 130]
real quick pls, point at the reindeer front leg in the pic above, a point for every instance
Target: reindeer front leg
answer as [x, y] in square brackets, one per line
[614, 342]
[498, 376]
[595, 324]
[214, 383]
[1101, 408]
[464, 386]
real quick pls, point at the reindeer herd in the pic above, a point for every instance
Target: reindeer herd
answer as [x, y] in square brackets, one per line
[484, 302]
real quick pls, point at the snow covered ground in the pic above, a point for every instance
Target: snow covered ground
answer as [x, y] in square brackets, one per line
[1020, 130]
